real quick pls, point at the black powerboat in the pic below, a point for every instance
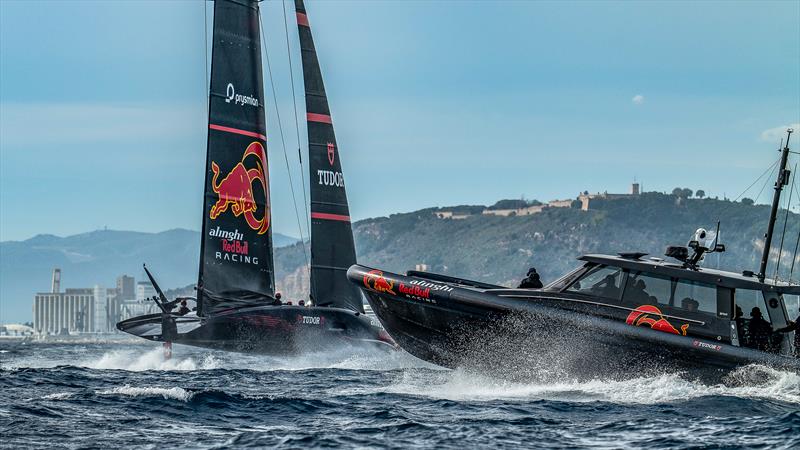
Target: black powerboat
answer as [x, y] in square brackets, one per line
[237, 308]
[615, 314]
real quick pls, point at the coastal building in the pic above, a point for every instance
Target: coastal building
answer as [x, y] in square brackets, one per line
[452, 215]
[586, 198]
[88, 310]
[144, 290]
[126, 287]
[524, 211]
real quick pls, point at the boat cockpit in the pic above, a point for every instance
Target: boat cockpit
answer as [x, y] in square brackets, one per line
[733, 308]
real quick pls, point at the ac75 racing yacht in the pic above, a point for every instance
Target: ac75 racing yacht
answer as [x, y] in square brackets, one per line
[237, 306]
[623, 314]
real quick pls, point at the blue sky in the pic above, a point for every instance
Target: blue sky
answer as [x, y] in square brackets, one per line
[103, 104]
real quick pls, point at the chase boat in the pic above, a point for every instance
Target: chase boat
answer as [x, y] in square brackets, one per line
[619, 314]
[237, 306]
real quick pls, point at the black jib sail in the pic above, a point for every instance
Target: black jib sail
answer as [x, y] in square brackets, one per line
[332, 248]
[236, 265]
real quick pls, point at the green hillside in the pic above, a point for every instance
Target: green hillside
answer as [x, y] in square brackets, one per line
[500, 249]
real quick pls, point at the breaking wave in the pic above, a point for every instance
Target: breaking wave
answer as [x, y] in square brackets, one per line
[460, 385]
[165, 393]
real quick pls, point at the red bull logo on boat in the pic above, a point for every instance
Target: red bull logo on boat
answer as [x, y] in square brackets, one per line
[651, 316]
[375, 281]
[236, 189]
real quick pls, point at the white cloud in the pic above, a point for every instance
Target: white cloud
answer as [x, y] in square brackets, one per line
[778, 133]
[638, 99]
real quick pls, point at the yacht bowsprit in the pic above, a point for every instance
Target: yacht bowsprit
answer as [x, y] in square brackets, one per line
[237, 308]
[624, 313]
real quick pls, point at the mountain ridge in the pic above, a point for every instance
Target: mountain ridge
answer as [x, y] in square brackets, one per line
[484, 247]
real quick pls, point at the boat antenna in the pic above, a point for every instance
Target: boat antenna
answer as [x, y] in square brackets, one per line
[785, 222]
[783, 180]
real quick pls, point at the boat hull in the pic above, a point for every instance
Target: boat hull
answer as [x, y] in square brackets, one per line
[531, 337]
[268, 330]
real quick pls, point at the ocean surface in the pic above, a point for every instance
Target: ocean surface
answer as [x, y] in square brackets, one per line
[125, 395]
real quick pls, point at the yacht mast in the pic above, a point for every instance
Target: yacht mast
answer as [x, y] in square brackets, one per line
[783, 180]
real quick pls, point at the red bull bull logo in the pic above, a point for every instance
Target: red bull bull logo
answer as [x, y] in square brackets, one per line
[236, 189]
[375, 281]
[651, 316]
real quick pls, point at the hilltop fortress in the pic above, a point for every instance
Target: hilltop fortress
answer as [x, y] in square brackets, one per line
[508, 208]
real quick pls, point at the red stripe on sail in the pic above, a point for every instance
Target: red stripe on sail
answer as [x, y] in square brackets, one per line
[237, 131]
[302, 19]
[326, 216]
[322, 118]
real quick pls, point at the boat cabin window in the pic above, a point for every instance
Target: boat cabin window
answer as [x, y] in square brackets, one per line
[602, 281]
[754, 323]
[694, 296]
[645, 288]
[792, 303]
[746, 302]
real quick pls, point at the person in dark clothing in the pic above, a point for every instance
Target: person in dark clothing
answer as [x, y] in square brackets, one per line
[277, 301]
[183, 310]
[760, 330]
[531, 281]
[794, 326]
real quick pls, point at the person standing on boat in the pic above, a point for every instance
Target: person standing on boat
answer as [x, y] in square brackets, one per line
[532, 281]
[794, 326]
[760, 330]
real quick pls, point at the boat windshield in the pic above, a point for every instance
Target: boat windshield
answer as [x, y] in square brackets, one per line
[601, 281]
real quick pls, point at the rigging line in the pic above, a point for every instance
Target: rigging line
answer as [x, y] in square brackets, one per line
[796, 246]
[296, 123]
[283, 140]
[785, 220]
[205, 54]
[768, 170]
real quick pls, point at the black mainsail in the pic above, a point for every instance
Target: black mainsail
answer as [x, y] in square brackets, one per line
[236, 266]
[332, 247]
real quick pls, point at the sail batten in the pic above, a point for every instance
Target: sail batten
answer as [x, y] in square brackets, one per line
[332, 246]
[236, 266]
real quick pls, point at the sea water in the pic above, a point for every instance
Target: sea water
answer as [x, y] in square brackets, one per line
[128, 395]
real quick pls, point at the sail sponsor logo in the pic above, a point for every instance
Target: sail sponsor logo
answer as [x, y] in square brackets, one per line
[235, 191]
[330, 178]
[238, 99]
[220, 233]
[237, 258]
[375, 281]
[651, 316]
[239, 247]
[331, 153]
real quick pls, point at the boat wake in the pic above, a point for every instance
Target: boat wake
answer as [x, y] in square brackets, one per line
[752, 382]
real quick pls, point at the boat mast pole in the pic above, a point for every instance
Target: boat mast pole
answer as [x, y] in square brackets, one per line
[783, 180]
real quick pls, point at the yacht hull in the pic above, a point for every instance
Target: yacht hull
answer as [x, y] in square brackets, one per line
[534, 334]
[268, 330]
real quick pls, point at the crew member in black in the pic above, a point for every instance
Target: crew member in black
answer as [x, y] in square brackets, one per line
[794, 326]
[532, 281]
[760, 330]
[277, 301]
[183, 309]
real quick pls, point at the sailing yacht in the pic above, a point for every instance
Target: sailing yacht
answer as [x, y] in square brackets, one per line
[237, 308]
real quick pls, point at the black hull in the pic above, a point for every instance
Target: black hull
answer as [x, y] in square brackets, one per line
[527, 337]
[267, 330]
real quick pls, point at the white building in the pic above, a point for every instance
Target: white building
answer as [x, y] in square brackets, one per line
[144, 290]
